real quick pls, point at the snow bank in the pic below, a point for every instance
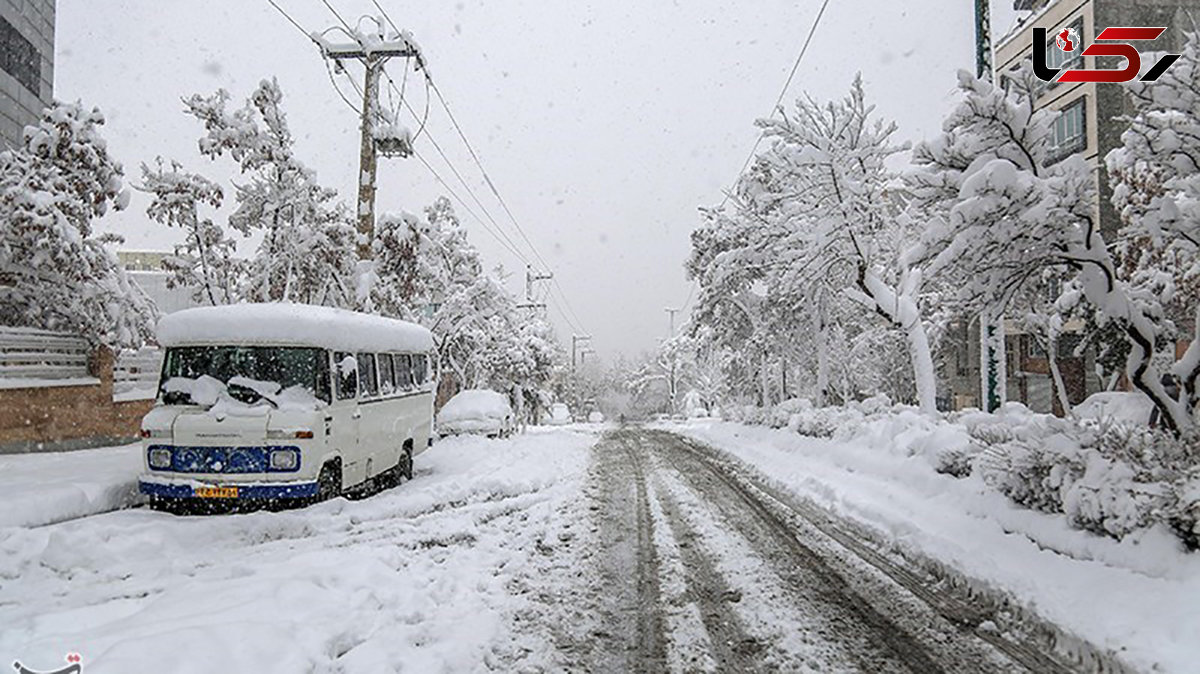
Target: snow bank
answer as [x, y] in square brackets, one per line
[36, 489]
[432, 576]
[291, 325]
[1134, 596]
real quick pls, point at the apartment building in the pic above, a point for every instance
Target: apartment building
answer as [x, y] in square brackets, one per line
[26, 65]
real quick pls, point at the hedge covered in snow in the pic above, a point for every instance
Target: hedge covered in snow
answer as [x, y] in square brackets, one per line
[1105, 476]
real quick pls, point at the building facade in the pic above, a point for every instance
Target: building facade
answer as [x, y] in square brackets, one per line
[26, 65]
[145, 268]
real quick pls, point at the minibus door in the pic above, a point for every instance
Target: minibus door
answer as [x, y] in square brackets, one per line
[346, 418]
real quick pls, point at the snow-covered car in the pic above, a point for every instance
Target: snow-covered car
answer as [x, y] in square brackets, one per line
[596, 418]
[476, 412]
[1132, 407]
[560, 415]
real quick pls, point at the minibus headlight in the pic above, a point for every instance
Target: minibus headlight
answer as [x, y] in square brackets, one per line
[160, 458]
[285, 459]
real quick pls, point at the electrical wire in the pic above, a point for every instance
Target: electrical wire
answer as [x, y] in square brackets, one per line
[487, 178]
[467, 207]
[291, 20]
[782, 92]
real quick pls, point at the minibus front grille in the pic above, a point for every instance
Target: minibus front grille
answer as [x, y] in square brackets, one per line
[228, 460]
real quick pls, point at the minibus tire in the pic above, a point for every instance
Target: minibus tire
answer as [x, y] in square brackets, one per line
[406, 462]
[329, 482]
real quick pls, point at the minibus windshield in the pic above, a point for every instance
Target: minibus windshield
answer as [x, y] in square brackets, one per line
[246, 371]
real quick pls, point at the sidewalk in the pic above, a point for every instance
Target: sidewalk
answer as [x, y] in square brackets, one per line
[1136, 598]
[42, 488]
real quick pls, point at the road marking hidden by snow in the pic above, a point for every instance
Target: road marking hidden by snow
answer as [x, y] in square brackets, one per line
[1135, 597]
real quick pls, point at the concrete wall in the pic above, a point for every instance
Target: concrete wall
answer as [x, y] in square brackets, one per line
[55, 418]
[20, 105]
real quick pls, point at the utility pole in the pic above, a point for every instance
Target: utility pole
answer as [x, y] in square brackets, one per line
[671, 312]
[575, 341]
[671, 384]
[983, 40]
[992, 373]
[373, 57]
[532, 277]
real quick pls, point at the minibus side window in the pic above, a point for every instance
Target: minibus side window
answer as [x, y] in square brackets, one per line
[321, 387]
[403, 372]
[347, 375]
[386, 384]
[419, 369]
[366, 364]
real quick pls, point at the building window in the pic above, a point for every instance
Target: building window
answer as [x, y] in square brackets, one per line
[1070, 130]
[19, 58]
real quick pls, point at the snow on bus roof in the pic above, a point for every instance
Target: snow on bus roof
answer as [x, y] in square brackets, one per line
[291, 325]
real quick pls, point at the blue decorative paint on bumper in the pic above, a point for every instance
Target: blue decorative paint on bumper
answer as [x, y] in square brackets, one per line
[246, 492]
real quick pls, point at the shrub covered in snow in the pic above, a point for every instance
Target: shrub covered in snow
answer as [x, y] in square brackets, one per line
[1105, 476]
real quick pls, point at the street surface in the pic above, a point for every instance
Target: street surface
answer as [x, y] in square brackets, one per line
[583, 549]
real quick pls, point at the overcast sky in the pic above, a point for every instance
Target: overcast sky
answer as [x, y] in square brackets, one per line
[603, 124]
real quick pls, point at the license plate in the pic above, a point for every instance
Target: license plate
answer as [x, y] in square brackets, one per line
[215, 492]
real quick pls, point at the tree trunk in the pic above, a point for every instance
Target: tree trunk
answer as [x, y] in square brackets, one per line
[900, 308]
[822, 338]
[1052, 358]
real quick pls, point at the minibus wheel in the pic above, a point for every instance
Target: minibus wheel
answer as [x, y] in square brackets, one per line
[406, 461]
[329, 482]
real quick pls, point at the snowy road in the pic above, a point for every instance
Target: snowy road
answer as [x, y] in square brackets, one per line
[566, 550]
[709, 572]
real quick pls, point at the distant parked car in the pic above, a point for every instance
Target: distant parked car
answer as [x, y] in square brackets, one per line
[595, 418]
[560, 415]
[1132, 407]
[476, 412]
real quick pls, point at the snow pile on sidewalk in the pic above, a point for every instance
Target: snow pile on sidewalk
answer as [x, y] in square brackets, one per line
[1126, 584]
[468, 567]
[37, 489]
[1106, 475]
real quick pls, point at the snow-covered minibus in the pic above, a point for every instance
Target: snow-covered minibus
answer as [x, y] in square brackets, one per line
[267, 402]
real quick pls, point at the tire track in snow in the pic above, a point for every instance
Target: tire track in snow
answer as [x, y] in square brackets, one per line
[795, 514]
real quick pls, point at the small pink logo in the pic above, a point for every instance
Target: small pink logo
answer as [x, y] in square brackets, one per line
[74, 666]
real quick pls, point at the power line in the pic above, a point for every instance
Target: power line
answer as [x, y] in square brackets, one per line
[290, 19]
[349, 30]
[487, 178]
[782, 92]
[467, 207]
[457, 174]
[495, 192]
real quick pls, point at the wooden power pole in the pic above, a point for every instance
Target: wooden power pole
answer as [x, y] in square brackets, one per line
[373, 58]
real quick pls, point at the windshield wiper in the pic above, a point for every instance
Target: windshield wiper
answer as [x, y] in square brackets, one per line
[254, 397]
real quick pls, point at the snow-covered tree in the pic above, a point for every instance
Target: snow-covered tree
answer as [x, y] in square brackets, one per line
[428, 272]
[999, 209]
[307, 252]
[840, 218]
[205, 260]
[1155, 175]
[55, 272]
